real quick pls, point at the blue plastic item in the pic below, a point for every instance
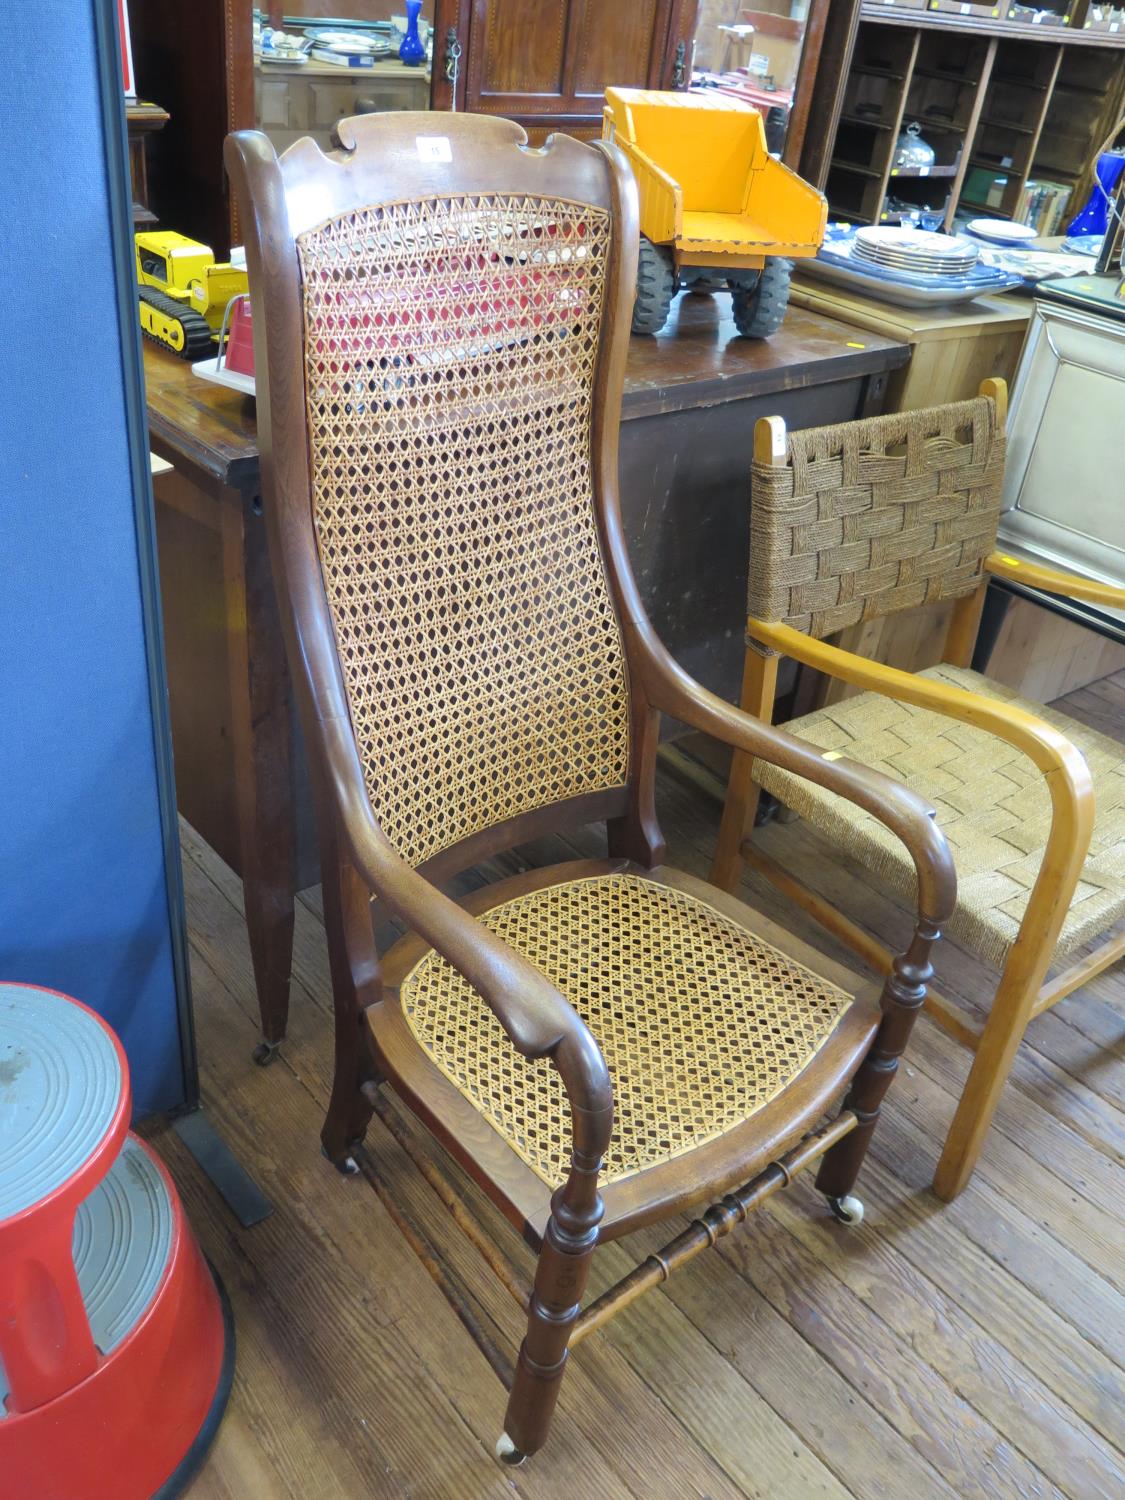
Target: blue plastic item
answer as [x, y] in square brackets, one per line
[412, 52]
[1094, 218]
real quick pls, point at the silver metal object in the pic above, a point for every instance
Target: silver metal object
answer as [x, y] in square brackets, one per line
[452, 63]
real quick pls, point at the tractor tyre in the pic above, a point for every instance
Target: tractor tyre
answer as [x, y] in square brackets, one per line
[759, 311]
[656, 286]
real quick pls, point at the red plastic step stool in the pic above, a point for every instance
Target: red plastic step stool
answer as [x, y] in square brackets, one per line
[116, 1343]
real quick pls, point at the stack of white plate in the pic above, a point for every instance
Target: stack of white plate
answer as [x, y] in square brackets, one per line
[349, 44]
[916, 250]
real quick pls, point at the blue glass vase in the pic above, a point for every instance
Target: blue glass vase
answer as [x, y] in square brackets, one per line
[412, 52]
[1094, 218]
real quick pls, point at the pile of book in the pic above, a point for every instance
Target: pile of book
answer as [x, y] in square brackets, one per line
[1042, 205]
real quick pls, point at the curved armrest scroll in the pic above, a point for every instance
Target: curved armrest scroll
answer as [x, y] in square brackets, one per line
[1053, 581]
[1062, 765]
[536, 1018]
[905, 813]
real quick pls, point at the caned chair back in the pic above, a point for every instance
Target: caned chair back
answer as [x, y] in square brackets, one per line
[452, 322]
[865, 518]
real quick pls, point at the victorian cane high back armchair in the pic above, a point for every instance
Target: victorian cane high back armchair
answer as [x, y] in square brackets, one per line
[441, 319]
[860, 520]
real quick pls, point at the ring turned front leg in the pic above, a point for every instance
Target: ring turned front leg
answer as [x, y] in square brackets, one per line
[560, 1281]
[904, 994]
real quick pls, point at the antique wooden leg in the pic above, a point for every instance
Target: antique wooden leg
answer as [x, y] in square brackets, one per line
[759, 685]
[261, 729]
[1014, 1003]
[560, 1280]
[355, 985]
[1012, 1008]
[904, 993]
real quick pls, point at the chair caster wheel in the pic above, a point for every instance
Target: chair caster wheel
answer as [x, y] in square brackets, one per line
[347, 1166]
[508, 1453]
[265, 1052]
[846, 1210]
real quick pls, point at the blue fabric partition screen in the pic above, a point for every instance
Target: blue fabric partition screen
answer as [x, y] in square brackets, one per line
[90, 897]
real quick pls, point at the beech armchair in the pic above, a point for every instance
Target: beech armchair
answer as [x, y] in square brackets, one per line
[440, 337]
[860, 520]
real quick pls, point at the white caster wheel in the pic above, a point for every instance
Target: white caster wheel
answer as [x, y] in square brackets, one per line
[507, 1452]
[847, 1210]
[347, 1166]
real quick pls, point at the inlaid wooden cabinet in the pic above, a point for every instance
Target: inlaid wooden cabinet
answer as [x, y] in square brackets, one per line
[546, 63]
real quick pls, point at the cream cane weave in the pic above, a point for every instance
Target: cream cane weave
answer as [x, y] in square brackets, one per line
[992, 805]
[870, 517]
[700, 1022]
[450, 349]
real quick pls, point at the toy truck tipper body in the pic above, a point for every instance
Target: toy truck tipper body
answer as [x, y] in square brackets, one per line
[714, 205]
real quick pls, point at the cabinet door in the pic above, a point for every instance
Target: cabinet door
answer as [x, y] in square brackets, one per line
[538, 59]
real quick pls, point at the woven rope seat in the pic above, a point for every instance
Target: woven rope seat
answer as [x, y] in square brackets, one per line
[992, 805]
[701, 1022]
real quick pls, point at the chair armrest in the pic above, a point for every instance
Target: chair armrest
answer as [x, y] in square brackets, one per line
[904, 812]
[1051, 751]
[1061, 764]
[1054, 581]
[538, 1021]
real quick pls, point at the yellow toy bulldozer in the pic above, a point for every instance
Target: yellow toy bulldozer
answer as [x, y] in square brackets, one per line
[714, 204]
[183, 292]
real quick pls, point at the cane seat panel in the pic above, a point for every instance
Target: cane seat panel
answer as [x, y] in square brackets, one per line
[992, 805]
[450, 353]
[702, 1023]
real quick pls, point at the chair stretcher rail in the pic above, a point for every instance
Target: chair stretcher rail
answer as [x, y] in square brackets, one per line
[717, 1222]
[496, 1261]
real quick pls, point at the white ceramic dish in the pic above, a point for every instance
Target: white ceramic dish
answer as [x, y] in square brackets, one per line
[1001, 232]
[346, 41]
[918, 251]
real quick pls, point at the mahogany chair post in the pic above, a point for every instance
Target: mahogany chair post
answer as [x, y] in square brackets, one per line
[759, 690]
[556, 1298]
[636, 835]
[356, 985]
[904, 994]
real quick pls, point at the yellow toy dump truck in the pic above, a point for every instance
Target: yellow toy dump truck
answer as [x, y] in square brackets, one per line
[714, 204]
[183, 291]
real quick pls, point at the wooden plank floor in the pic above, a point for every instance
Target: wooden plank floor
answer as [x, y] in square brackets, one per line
[970, 1350]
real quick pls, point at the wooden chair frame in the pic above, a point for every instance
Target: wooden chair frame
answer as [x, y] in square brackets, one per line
[376, 162]
[1022, 992]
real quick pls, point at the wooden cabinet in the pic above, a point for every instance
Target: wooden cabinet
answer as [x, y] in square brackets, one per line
[291, 102]
[1013, 112]
[197, 60]
[952, 349]
[546, 63]
[1064, 433]
[142, 120]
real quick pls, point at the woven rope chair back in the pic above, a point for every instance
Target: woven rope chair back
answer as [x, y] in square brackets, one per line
[866, 518]
[450, 353]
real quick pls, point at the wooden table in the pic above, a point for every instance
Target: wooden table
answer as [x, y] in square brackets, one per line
[692, 396]
[954, 348]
